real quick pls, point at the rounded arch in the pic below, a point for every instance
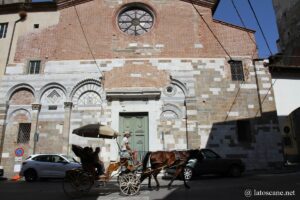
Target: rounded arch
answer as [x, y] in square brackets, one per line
[82, 83]
[15, 112]
[50, 86]
[171, 111]
[90, 89]
[18, 87]
[88, 97]
[181, 85]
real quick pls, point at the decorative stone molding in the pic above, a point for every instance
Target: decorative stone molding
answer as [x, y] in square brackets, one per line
[36, 106]
[53, 96]
[171, 112]
[170, 90]
[133, 93]
[68, 104]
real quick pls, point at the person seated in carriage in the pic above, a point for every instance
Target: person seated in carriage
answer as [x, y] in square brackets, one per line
[126, 151]
[97, 162]
[90, 159]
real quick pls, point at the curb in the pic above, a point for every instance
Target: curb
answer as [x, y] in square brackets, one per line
[283, 171]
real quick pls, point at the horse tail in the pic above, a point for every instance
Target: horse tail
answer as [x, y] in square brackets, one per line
[145, 160]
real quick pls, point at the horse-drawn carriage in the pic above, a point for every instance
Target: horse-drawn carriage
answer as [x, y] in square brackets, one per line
[79, 182]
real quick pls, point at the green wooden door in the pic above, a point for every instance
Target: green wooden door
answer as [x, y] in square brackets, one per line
[137, 124]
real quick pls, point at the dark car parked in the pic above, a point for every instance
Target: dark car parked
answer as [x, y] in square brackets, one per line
[210, 162]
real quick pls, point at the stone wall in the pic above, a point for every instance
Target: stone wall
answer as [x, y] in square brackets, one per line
[177, 74]
[197, 107]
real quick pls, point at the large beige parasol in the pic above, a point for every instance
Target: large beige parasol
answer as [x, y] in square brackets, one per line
[96, 131]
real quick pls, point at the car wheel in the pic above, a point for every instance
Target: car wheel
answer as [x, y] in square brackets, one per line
[188, 173]
[30, 175]
[235, 171]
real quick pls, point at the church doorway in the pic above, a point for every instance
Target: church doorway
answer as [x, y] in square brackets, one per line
[138, 125]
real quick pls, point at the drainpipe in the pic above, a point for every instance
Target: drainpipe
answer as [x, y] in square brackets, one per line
[186, 124]
[257, 83]
[22, 15]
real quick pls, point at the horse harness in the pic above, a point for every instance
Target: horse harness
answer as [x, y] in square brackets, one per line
[179, 160]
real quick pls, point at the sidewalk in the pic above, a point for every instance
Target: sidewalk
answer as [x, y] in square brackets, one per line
[287, 168]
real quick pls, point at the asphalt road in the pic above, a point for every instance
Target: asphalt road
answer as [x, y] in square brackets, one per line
[263, 186]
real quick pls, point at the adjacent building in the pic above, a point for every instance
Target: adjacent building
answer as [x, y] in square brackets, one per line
[285, 69]
[153, 67]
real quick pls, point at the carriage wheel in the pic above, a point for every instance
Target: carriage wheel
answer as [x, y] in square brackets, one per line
[129, 184]
[77, 183]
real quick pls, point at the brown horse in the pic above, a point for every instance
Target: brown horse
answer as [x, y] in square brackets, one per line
[165, 159]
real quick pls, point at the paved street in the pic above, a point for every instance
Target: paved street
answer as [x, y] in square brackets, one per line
[209, 188]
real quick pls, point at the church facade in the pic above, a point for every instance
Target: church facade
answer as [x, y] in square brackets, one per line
[163, 69]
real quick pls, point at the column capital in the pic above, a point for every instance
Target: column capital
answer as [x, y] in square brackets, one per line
[68, 104]
[36, 106]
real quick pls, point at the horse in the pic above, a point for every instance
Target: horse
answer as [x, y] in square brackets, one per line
[166, 159]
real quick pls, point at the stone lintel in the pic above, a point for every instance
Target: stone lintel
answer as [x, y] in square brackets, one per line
[133, 93]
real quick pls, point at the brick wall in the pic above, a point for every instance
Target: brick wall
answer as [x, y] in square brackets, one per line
[22, 97]
[178, 32]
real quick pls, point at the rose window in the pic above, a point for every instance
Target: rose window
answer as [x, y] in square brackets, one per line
[135, 21]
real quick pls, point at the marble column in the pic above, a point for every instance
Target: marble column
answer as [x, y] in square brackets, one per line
[34, 127]
[66, 128]
[3, 122]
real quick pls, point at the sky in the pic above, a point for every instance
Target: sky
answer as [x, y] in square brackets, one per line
[265, 14]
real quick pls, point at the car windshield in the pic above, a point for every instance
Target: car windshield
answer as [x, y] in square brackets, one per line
[208, 154]
[70, 158]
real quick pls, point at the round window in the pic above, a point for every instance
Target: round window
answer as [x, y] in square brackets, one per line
[135, 21]
[170, 90]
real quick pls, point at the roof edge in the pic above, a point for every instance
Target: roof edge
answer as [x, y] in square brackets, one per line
[205, 3]
[30, 7]
[215, 7]
[61, 4]
[233, 25]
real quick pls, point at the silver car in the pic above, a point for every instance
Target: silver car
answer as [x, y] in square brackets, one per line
[47, 166]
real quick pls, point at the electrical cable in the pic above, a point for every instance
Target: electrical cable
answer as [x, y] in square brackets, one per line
[270, 88]
[85, 37]
[211, 30]
[263, 34]
[244, 25]
[236, 96]
[91, 52]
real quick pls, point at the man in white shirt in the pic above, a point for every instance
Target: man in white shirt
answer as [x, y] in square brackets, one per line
[127, 152]
[125, 142]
